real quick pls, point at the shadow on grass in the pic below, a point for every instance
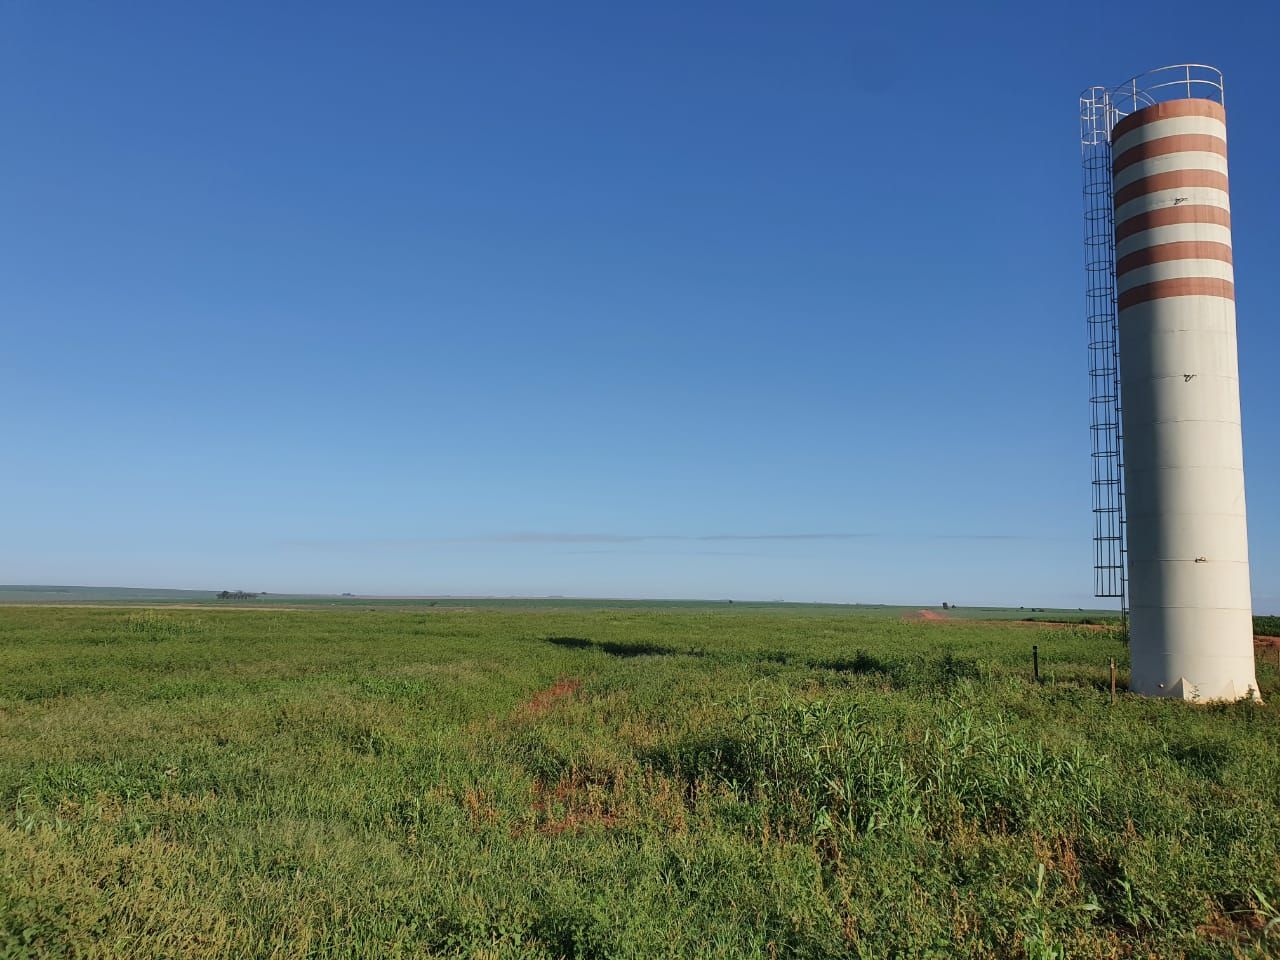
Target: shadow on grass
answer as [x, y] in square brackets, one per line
[616, 649]
[860, 662]
[941, 672]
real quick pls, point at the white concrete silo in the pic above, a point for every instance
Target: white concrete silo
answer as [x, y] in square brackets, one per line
[1191, 628]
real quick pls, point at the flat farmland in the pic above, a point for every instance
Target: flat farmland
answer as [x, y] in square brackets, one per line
[630, 781]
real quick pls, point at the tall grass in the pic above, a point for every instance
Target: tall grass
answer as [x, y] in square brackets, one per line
[624, 783]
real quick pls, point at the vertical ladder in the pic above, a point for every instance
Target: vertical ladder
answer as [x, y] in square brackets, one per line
[1105, 425]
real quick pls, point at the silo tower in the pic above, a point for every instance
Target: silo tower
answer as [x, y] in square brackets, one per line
[1168, 477]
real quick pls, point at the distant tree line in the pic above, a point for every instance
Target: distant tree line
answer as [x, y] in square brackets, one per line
[239, 595]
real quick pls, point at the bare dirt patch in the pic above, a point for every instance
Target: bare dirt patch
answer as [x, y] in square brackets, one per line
[925, 616]
[576, 803]
[542, 702]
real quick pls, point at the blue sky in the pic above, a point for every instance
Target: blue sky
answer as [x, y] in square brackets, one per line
[750, 300]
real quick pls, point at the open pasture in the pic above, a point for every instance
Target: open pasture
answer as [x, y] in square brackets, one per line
[627, 782]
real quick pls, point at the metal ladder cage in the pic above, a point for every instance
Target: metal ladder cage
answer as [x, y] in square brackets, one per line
[1097, 116]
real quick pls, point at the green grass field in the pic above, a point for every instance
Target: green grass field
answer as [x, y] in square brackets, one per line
[616, 782]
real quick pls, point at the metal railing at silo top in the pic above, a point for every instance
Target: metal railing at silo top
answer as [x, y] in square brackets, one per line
[1181, 81]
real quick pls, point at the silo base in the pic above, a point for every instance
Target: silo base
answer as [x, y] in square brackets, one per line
[1202, 654]
[1184, 689]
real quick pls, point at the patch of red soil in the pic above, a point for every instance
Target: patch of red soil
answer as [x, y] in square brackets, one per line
[1263, 641]
[574, 804]
[544, 700]
[1241, 928]
[926, 616]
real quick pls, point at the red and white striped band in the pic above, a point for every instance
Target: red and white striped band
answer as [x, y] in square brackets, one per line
[1172, 206]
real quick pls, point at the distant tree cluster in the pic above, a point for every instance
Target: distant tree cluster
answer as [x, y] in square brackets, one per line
[238, 595]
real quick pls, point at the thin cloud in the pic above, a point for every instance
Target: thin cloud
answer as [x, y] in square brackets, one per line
[536, 538]
[628, 552]
[984, 536]
[787, 536]
[570, 538]
[644, 537]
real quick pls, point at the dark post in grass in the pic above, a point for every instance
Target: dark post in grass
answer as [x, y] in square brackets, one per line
[1035, 662]
[1113, 680]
